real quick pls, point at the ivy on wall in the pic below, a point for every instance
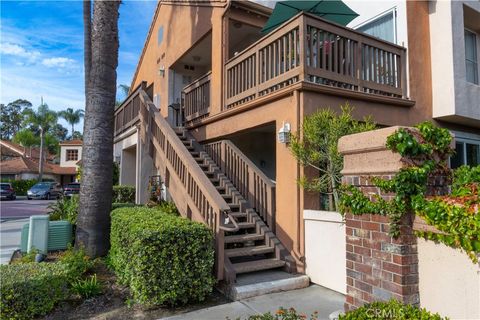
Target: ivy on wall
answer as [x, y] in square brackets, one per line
[425, 152]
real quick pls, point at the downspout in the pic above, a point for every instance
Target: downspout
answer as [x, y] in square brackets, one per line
[297, 249]
[224, 37]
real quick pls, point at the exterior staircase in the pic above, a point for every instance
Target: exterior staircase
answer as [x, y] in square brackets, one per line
[252, 246]
[219, 186]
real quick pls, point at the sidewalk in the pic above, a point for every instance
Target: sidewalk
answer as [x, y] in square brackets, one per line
[10, 234]
[306, 301]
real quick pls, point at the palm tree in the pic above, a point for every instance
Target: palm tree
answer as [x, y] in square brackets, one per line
[72, 117]
[26, 138]
[44, 119]
[101, 60]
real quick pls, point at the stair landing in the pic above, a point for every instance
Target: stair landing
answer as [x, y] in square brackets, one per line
[264, 282]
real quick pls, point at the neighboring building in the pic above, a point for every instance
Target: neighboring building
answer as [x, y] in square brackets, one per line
[70, 153]
[19, 163]
[222, 95]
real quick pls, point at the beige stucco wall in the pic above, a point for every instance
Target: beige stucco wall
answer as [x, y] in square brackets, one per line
[449, 281]
[63, 156]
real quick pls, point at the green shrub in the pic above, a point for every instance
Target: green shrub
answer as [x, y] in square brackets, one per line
[31, 289]
[164, 259]
[392, 309]
[463, 177]
[282, 314]
[87, 288]
[65, 208]
[76, 262]
[21, 186]
[117, 205]
[123, 194]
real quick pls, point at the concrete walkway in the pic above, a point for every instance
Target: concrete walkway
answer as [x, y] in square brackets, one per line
[306, 301]
[10, 234]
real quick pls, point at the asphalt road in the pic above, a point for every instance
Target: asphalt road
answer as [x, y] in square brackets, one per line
[15, 209]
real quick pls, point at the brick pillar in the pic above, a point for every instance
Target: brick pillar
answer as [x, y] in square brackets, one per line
[378, 266]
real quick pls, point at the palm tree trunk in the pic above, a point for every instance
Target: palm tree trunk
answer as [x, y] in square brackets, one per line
[93, 223]
[40, 161]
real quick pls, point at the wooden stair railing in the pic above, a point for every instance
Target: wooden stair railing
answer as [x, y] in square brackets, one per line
[248, 179]
[193, 193]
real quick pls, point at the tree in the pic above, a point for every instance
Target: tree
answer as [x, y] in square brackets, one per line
[72, 117]
[11, 117]
[26, 138]
[77, 136]
[44, 119]
[316, 147]
[101, 60]
[125, 90]
[59, 132]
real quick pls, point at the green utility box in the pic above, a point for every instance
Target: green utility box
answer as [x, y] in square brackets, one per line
[59, 235]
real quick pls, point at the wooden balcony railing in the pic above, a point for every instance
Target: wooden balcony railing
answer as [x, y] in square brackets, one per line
[247, 178]
[196, 98]
[126, 115]
[192, 191]
[308, 48]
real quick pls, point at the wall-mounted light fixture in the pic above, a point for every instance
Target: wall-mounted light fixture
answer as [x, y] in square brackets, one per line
[284, 133]
[161, 71]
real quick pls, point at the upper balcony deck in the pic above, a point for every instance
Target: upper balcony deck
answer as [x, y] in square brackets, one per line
[304, 49]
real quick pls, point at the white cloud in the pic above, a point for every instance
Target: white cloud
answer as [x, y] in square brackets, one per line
[16, 50]
[58, 62]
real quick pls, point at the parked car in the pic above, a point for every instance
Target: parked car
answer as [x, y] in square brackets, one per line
[7, 192]
[71, 188]
[45, 190]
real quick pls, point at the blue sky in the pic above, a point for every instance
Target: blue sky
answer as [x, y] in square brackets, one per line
[41, 50]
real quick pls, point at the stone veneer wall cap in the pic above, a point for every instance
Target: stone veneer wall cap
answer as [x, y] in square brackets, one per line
[365, 141]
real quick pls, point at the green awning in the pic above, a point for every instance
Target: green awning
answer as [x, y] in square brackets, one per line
[332, 10]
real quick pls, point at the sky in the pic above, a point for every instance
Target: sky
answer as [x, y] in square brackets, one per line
[41, 50]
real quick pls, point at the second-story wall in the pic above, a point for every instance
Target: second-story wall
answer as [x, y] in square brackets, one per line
[70, 155]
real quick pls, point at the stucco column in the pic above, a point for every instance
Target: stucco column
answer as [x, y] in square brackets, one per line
[379, 267]
[145, 169]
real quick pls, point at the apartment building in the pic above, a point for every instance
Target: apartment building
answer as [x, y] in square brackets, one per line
[213, 99]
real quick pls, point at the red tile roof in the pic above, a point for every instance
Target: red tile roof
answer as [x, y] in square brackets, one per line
[11, 148]
[71, 143]
[25, 165]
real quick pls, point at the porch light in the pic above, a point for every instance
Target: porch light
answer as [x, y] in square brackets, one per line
[284, 133]
[161, 71]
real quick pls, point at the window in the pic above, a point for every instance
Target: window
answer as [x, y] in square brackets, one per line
[72, 154]
[382, 27]
[471, 61]
[466, 152]
[160, 35]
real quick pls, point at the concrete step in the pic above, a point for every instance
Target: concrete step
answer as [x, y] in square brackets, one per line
[238, 214]
[233, 206]
[258, 265]
[248, 251]
[244, 238]
[264, 282]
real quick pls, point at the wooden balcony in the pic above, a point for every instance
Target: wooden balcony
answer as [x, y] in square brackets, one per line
[305, 49]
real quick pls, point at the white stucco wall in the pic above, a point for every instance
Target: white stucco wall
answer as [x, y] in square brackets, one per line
[63, 156]
[452, 94]
[325, 249]
[449, 281]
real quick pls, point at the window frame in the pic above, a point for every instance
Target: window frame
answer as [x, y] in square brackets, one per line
[393, 12]
[67, 154]
[476, 46]
[464, 142]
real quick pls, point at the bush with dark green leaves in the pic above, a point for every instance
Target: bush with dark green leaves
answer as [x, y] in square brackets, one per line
[391, 310]
[65, 208]
[164, 259]
[31, 289]
[123, 194]
[117, 205]
[21, 186]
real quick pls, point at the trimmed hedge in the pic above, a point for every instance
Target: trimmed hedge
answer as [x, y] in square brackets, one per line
[123, 194]
[21, 186]
[164, 259]
[117, 205]
[31, 289]
[392, 310]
